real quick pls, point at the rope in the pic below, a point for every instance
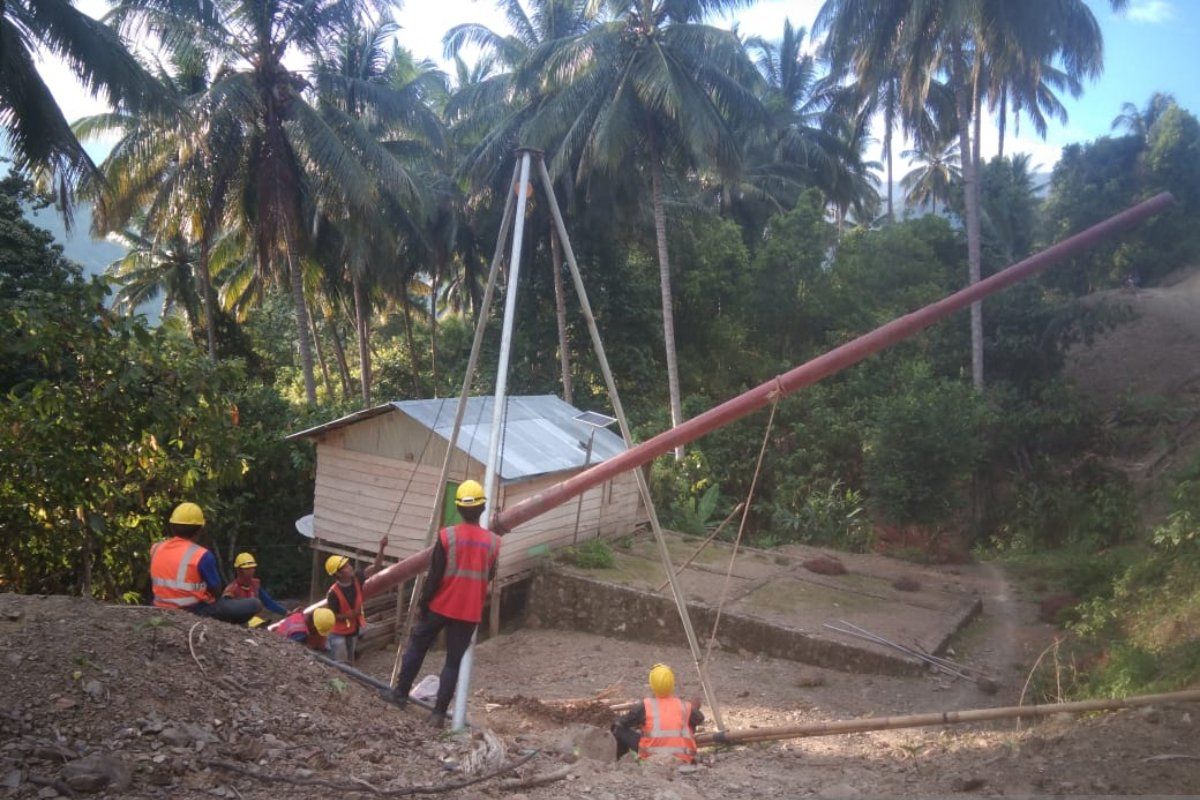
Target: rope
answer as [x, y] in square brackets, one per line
[741, 529]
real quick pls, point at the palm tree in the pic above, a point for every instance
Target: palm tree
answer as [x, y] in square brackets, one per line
[34, 128]
[1139, 122]
[285, 155]
[936, 171]
[150, 269]
[648, 87]
[391, 94]
[960, 39]
[160, 175]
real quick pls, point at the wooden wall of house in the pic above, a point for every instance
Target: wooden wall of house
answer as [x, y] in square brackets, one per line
[368, 469]
[360, 496]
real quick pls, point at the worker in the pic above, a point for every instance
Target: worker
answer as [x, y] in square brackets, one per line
[245, 584]
[309, 629]
[183, 573]
[462, 565]
[345, 600]
[663, 726]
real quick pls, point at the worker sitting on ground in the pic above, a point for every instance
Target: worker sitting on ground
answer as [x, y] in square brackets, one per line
[462, 566]
[309, 629]
[245, 584]
[663, 725]
[183, 573]
[345, 600]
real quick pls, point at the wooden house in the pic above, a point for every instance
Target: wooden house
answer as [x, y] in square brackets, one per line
[377, 469]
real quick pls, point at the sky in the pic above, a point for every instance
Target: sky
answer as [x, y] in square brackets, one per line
[1152, 46]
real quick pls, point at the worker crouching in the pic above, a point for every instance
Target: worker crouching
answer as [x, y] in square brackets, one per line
[246, 584]
[663, 728]
[308, 629]
[462, 566]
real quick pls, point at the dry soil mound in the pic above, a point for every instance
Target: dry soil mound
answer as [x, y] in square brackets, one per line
[111, 700]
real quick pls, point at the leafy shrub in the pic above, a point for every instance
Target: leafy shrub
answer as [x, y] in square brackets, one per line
[592, 554]
[830, 516]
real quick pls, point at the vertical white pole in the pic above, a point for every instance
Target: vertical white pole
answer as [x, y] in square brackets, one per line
[491, 474]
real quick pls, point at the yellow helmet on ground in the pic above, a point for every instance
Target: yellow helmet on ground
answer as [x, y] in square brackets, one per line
[662, 680]
[323, 620]
[469, 494]
[334, 563]
[244, 561]
[187, 514]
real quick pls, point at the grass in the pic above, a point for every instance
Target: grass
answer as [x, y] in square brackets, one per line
[592, 554]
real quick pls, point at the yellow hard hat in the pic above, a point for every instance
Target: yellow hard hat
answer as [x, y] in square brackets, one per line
[256, 622]
[469, 494]
[187, 514]
[334, 563]
[323, 620]
[662, 680]
[244, 561]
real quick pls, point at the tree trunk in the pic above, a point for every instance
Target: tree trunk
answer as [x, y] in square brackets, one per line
[1002, 123]
[339, 353]
[889, 122]
[206, 296]
[962, 94]
[412, 348]
[306, 354]
[664, 280]
[312, 320]
[433, 318]
[362, 332]
[560, 310]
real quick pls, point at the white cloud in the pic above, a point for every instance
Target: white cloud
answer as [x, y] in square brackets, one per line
[1151, 11]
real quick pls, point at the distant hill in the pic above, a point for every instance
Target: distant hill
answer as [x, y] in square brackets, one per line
[94, 255]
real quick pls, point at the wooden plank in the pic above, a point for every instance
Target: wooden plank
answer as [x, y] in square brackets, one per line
[386, 495]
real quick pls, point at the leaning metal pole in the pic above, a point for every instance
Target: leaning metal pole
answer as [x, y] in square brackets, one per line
[619, 411]
[492, 469]
[439, 492]
[804, 375]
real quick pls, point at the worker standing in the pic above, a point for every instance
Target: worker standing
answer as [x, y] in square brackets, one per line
[462, 565]
[183, 573]
[308, 629]
[345, 600]
[663, 726]
[245, 584]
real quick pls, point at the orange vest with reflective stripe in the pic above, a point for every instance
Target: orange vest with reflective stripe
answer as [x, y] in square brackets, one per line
[470, 553]
[344, 608]
[240, 592]
[175, 573]
[296, 623]
[666, 731]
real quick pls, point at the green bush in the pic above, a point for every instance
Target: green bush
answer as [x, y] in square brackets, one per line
[592, 554]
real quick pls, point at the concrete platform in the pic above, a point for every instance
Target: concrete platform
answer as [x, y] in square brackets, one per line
[773, 605]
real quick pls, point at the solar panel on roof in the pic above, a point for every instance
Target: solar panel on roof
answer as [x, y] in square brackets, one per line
[594, 418]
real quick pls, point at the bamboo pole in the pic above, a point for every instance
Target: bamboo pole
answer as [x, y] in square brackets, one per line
[696, 554]
[839, 727]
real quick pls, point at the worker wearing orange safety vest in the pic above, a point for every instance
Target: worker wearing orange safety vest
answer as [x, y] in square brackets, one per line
[184, 575]
[246, 584]
[345, 600]
[309, 629]
[663, 727]
[461, 567]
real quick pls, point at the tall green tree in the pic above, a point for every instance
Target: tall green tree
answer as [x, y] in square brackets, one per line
[961, 39]
[290, 154]
[936, 171]
[650, 89]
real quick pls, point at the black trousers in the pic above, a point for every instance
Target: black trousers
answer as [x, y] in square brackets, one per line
[458, 638]
[229, 609]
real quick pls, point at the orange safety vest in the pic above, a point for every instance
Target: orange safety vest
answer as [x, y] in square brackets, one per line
[471, 551]
[349, 628]
[240, 592]
[667, 730]
[175, 573]
[298, 623]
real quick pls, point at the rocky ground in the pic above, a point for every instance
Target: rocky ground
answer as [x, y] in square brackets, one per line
[107, 701]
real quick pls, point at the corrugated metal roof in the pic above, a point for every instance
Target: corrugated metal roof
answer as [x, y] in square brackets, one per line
[540, 435]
